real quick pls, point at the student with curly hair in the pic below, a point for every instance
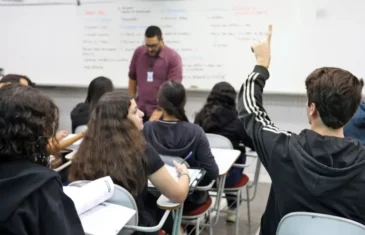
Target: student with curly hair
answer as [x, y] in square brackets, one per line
[219, 116]
[54, 146]
[32, 198]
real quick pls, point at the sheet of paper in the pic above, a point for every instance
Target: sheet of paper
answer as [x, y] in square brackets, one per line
[106, 219]
[193, 173]
[91, 194]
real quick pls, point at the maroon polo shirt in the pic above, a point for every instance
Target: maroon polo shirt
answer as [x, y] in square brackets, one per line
[166, 66]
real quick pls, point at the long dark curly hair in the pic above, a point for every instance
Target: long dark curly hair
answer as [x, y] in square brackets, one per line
[113, 146]
[28, 118]
[221, 98]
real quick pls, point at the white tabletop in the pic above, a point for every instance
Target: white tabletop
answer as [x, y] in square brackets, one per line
[251, 153]
[167, 204]
[225, 158]
[70, 155]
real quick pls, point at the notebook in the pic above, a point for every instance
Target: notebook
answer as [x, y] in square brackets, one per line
[97, 216]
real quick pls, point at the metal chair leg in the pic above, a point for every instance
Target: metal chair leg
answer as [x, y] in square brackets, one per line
[197, 227]
[238, 198]
[248, 206]
[211, 224]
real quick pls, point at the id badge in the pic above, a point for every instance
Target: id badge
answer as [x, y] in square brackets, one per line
[150, 76]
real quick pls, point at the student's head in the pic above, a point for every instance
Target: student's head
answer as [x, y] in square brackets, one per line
[223, 95]
[28, 118]
[97, 88]
[15, 78]
[153, 40]
[114, 144]
[172, 99]
[333, 96]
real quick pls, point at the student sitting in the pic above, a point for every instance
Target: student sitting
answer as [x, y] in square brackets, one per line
[15, 78]
[219, 116]
[57, 144]
[318, 170]
[355, 128]
[114, 146]
[32, 198]
[81, 113]
[173, 135]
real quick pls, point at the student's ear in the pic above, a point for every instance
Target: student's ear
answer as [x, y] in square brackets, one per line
[313, 112]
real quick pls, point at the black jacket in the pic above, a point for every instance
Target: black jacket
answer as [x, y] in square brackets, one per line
[309, 172]
[80, 115]
[33, 202]
[225, 122]
[178, 139]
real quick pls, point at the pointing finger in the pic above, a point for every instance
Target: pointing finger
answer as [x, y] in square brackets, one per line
[269, 33]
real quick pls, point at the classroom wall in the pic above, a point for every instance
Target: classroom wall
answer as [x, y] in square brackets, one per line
[287, 111]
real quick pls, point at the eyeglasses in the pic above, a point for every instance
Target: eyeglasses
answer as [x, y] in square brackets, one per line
[152, 46]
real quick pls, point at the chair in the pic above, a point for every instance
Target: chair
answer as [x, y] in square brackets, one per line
[193, 217]
[80, 129]
[306, 223]
[219, 141]
[122, 197]
[235, 192]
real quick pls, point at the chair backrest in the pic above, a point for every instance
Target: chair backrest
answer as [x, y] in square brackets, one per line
[80, 129]
[120, 197]
[305, 223]
[219, 141]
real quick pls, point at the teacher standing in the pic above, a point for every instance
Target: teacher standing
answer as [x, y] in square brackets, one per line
[152, 64]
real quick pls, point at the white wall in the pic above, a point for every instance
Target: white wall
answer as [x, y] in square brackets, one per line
[287, 111]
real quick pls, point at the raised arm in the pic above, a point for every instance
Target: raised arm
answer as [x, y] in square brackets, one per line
[266, 137]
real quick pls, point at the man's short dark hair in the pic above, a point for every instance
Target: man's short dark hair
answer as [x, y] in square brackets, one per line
[336, 94]
[15, 78]
[153, 31]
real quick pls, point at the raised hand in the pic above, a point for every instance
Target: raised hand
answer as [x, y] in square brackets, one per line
[262, 50]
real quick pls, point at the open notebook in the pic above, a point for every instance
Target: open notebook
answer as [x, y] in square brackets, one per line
[97, 216]
[195, 175]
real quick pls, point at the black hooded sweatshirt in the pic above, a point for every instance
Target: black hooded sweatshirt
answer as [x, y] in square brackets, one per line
[80, 115]
[178, 139]
[33, 202]
[309, 172]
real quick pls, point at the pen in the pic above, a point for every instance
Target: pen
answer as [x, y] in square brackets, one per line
[187, 157]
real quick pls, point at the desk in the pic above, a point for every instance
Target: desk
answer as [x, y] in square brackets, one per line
[225, 159]
[177, 209]
[70, 155]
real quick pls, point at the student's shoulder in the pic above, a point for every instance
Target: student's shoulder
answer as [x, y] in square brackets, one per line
[192, 128]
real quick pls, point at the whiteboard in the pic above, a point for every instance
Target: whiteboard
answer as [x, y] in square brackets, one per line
[69, 45]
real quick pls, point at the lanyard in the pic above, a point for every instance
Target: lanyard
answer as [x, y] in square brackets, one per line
[152, 60]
